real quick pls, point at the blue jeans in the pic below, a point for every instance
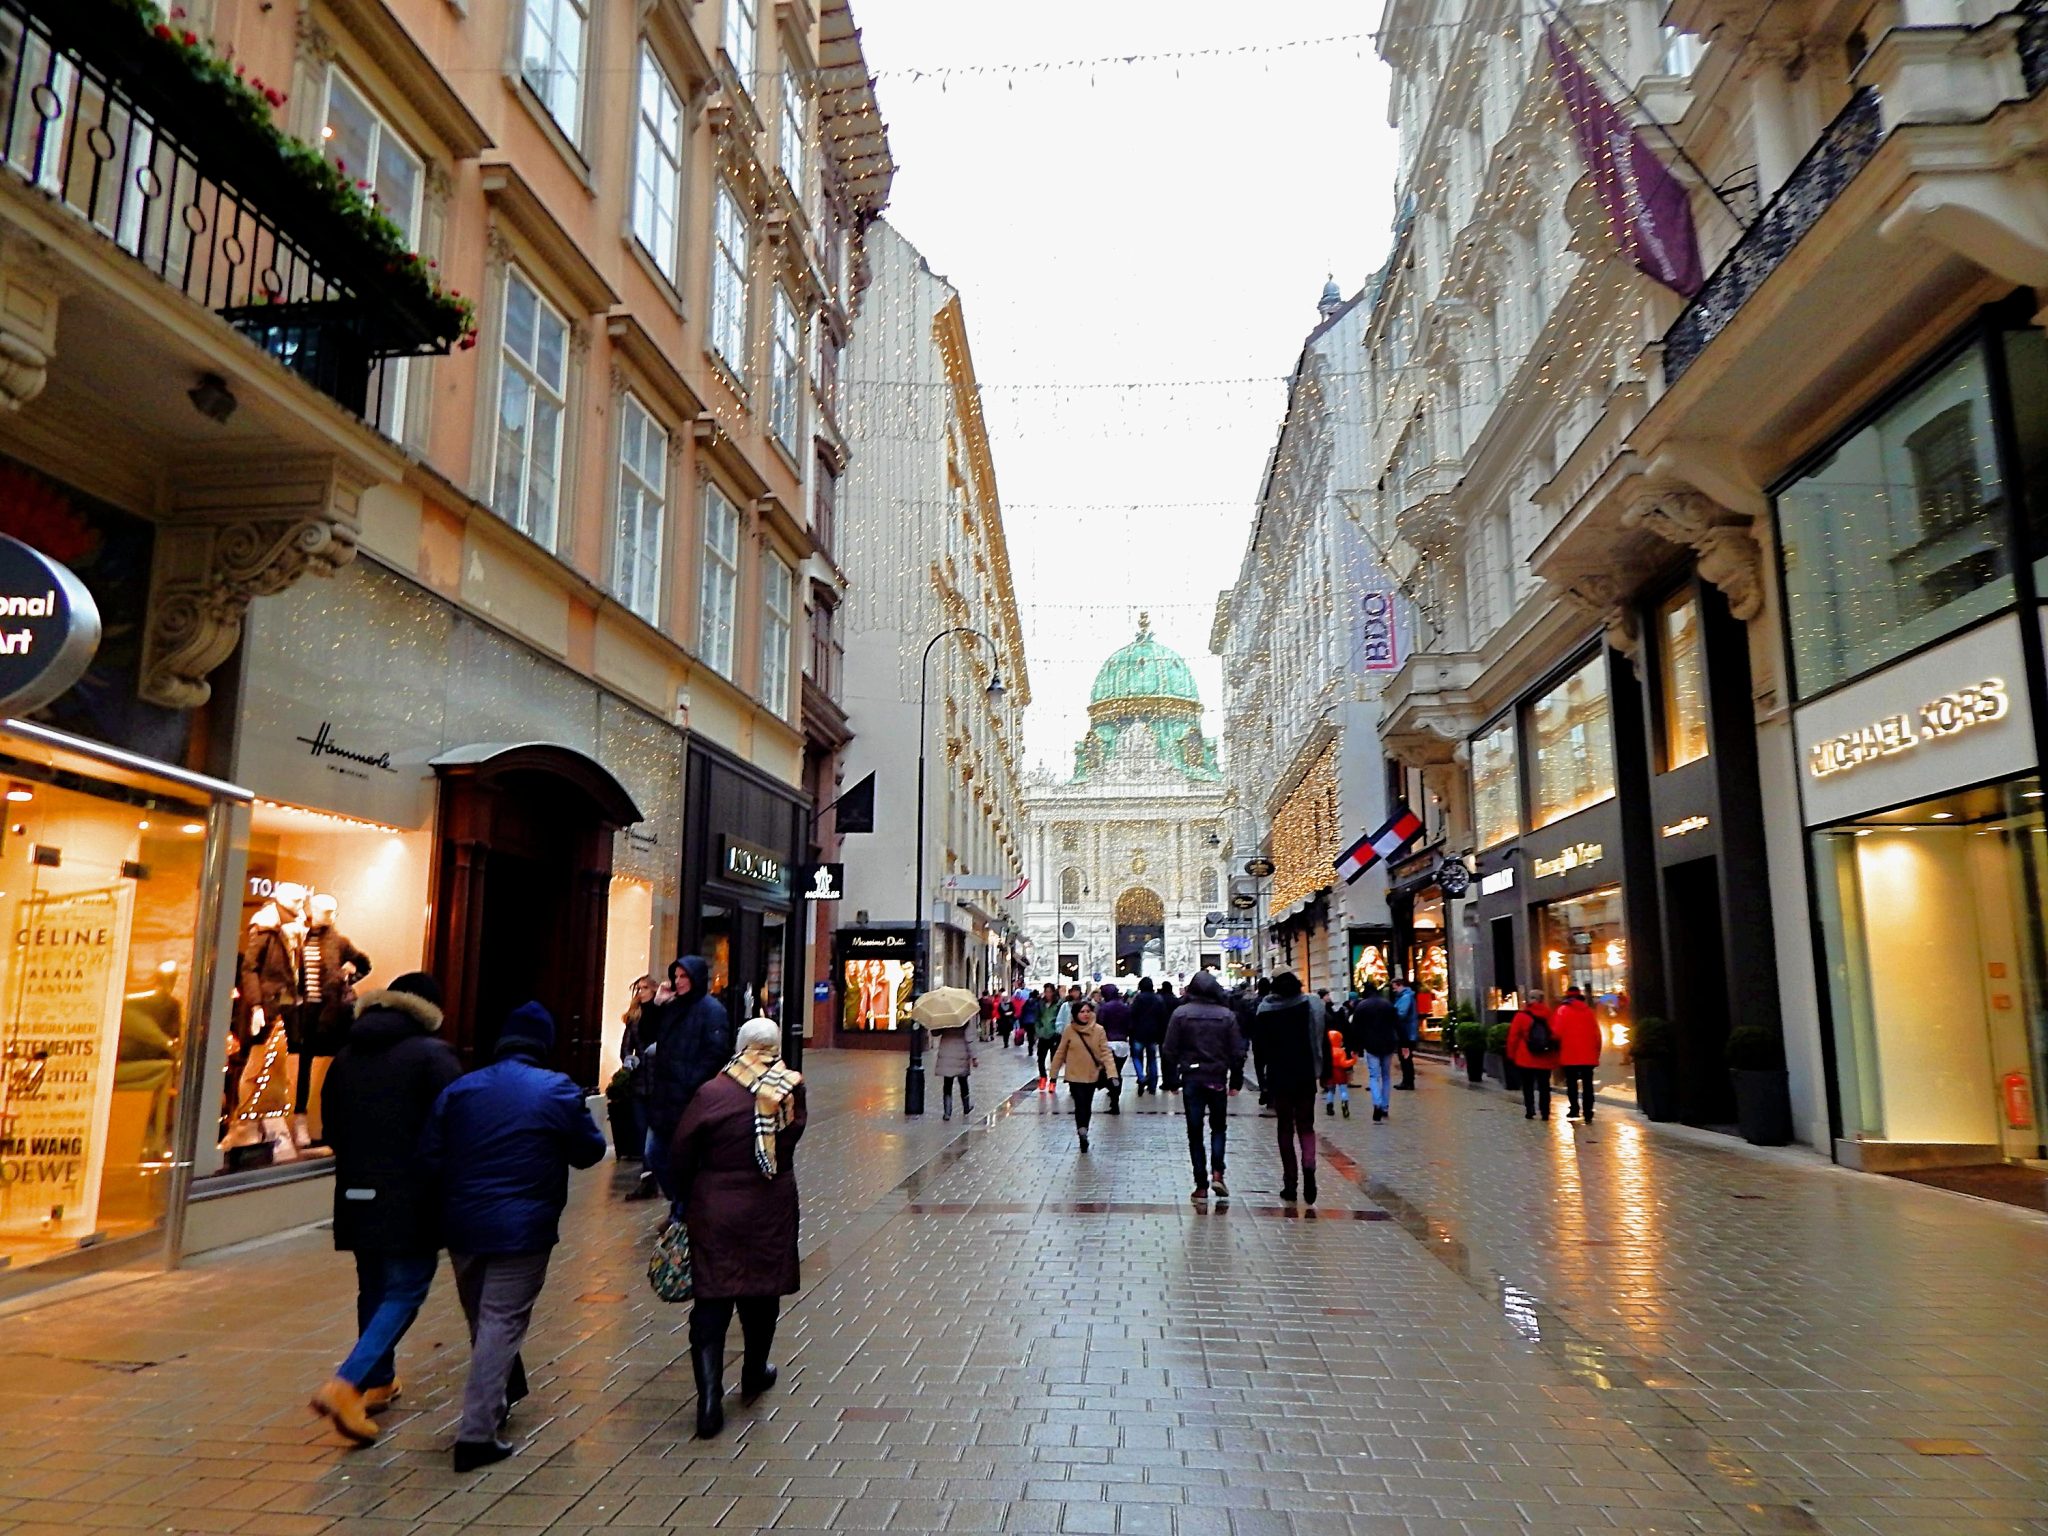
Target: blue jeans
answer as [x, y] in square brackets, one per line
[390, 1290]
[1379, 1073]
[1214, 1103]
[1145, 1064]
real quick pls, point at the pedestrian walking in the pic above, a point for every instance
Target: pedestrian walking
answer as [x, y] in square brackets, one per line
[1376, 1035]
[988, 1013]
[1149, 1011]
[690, 1044]
[1296, 1064]
[1115, 1016]
[375, 1102]
[1532, 1047]
[1409, 1010]
[734, 1160]
[1203, 1055]
[1249, 1002]
[954, 1059]
[1337, 1087]
[1052, 1018]
[1083, 1054]
[1027, 1018]
[502, 1141]
[625, 1095]
[1577, 1029]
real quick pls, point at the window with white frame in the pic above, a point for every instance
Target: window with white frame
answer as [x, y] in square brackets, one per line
[718, 592]
[786, 392]
[360, 144]
[533, 377]
[642, 504]
[551, 59]
[729, 281]
[742, 31]
[778, 603]
[658, 165]
[791, 147]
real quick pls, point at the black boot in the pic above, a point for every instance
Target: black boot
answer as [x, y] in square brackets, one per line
[757, 1375]
[708, 1361]
[1308, 1186]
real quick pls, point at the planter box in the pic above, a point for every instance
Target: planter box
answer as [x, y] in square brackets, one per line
[1657, 1089]
[1475, 1066]
[1763, 1107]
[1496, 1066]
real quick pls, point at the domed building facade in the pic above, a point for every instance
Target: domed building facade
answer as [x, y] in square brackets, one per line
[1127, 866]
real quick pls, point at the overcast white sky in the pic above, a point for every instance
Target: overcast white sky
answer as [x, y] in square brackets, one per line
[1156, 221]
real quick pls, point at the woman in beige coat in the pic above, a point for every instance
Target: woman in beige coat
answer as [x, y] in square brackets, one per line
[1083, 1053]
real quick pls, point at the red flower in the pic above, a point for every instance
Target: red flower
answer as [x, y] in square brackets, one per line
[467, 342]
[191, 39]
[162, 31]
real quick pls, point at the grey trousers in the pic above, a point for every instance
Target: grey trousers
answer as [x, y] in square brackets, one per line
[498, 1291]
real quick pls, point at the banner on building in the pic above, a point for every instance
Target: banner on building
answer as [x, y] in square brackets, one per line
[1397, 834]
[1381, 642]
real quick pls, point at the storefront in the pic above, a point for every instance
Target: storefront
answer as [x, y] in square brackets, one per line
[1417, 945]
[1913, 570]
[743, 834]
[874, 976]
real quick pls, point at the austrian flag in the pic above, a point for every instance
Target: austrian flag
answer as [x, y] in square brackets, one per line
[1383, 844]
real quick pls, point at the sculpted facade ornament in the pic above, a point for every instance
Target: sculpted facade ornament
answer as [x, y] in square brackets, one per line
[1726, 551]
[29, 294]
[237, 532]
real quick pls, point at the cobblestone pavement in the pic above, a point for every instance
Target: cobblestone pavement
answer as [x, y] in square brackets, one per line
[1490, 1325]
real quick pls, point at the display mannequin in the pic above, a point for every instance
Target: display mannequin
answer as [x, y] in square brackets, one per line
[267, 992]
[329, 968]
[151, 1024]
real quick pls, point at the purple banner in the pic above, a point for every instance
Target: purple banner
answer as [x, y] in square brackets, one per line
[1648, 211]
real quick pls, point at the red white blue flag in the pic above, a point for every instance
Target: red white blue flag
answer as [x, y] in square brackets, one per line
[1386, 843]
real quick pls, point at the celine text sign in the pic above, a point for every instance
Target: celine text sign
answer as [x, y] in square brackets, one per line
[1938, 719]
[49, 628]
[1577, 856]
[824, 882]
[751, 864]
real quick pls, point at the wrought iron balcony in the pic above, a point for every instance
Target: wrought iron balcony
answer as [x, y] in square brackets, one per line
[140, 135]
[1842, 150]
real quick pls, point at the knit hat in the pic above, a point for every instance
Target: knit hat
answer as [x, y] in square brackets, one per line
[420, 985]
[528, 1027]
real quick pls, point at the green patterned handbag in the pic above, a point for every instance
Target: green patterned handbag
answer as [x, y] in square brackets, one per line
[668, 1266]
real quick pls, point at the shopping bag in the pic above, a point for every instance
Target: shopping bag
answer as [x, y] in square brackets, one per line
[668, 1266]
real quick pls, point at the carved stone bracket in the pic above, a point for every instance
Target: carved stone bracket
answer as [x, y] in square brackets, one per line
[237, 532]
[1726, 551]
[29, 294]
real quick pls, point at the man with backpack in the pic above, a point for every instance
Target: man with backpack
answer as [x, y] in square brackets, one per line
[1532, 1047]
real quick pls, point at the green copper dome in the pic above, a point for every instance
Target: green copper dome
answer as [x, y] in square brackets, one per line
[1144, 670]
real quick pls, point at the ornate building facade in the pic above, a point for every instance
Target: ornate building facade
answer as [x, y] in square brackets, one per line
[1128, 855]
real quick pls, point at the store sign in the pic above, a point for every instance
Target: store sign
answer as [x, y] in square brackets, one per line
[1577, 856]
[751, 864]
[1382, 645]
[892, 945]
[1684, 826]
[1258, 868]
[824, 882]
[1939, 719]
[1453, 878]
[353, 761]
[1243, 901]
[1500, 880]
[49, 628]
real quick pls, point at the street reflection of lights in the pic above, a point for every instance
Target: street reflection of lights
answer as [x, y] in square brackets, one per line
[1520, 1309]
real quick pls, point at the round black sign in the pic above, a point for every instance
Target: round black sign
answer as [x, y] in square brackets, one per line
[49, 628]
[1453, 878]
[1258, 869]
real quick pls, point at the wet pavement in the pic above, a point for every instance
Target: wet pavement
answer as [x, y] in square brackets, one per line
[1489, 1325]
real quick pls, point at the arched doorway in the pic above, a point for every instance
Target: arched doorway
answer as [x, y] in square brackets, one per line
[1140, 932]
[521, 878]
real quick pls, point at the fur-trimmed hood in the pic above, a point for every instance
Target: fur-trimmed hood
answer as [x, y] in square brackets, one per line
[385, 1017]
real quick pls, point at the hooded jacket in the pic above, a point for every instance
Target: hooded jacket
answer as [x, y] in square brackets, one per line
[1115, 1014]
[1297, 1048]
[1148, 1015]
[688, 1044]
[377, 1099]
[1518, 1039]
[1204, 1047]
[502, 1141]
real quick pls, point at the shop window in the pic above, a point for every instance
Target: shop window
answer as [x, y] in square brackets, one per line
[330, 906]
[1583, 943]
[1496, 788]
[875, 993]
[99, 910]
[1573, 738]
[1898, 538]
[2026, 371]
[1682, 680]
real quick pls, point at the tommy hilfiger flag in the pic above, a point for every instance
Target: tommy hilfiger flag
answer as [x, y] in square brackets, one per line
[1383, 844]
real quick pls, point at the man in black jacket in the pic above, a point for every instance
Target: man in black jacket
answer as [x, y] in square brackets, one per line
[1374, 1032]
[1297, 1061]
[689, 1043]
[1204, 1053]
[374, 1104]
[1148, 1029]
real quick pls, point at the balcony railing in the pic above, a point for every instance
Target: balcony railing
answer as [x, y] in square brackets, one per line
[156, 160]
[1844, 148]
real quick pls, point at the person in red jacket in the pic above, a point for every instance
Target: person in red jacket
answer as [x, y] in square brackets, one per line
[1533, 1057]
[1577, 1029]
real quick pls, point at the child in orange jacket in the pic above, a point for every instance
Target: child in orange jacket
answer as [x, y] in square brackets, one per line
[1338, 1089]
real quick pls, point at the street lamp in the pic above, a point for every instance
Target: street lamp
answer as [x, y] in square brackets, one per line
[995, 693]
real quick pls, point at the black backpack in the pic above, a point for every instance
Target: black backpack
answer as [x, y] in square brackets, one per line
[1541, 1039]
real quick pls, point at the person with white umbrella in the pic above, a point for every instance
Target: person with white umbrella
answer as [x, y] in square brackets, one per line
[947, 1012]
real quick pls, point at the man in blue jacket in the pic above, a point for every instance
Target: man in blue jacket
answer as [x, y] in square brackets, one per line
[502, 1141]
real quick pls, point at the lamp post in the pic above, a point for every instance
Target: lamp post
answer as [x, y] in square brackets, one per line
[913, 1074]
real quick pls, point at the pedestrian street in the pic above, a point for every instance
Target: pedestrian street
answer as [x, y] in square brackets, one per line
[1486, 1325]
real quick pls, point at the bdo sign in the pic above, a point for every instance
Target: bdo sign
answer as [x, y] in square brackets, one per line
[49, 628]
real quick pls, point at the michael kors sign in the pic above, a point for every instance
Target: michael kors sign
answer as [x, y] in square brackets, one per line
[1938, 719]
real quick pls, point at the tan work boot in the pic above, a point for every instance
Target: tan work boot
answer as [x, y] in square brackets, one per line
[377, 1399]
[342, 1404]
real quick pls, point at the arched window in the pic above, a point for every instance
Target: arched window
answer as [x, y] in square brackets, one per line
[1070, 884]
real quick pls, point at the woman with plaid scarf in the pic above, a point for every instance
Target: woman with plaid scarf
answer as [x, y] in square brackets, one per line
[735, 1181]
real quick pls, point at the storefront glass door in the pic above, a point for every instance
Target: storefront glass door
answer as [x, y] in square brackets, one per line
[1583, 943]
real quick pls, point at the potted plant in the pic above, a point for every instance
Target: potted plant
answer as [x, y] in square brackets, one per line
[1763, 1094]
[1654, 1050]
[1471, 1041]
[1497, 1052]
